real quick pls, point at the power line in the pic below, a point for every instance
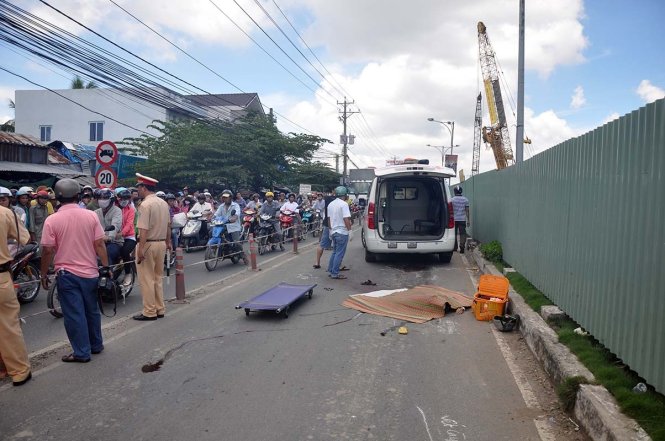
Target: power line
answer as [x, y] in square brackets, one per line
[258, 3]
[72, 101]
[311, 51]
[201, 63]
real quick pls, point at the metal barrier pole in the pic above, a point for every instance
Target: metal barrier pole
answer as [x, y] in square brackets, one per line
[179, 277]
[252, 252]
[295, 239]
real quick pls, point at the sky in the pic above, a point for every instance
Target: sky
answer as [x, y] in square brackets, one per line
[400, 62]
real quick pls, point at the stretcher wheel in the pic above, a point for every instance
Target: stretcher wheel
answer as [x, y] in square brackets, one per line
[309, 294]
[247, 311]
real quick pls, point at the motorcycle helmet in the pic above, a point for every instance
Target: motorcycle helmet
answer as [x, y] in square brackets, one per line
[457, 190]
[341, 191]
[170, 196]
[161, 195]
[66, 189]
[122, 193]
[105, 193]
[270, 194]
[4, 191]
[227, 193]
[87, 189]
[24, 190]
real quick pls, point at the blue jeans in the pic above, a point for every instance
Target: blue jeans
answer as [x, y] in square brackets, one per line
[114, 251]
[83, 321]
[339, 242]
[175, 235]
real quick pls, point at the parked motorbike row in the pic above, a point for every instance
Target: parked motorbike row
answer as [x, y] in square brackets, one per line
[197, 233]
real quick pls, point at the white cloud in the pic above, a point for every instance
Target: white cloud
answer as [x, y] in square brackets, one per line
[578, 99]
[610, 117]
[649, 92]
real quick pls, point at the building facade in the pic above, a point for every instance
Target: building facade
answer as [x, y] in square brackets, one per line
[88, 116]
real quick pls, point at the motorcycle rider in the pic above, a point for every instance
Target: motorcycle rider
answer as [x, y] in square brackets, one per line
[254, 203]
[205, 208]
[38, 214]
[281, 198]
[173, 210]
[5, 196]
[233, 226]
[23, 196]
[128, 230]
[271, 208]
[109, 214]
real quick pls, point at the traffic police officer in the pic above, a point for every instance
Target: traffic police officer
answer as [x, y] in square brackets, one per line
[154, 225]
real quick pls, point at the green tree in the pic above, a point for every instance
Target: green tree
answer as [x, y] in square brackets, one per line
[8, 126]
[249, 153]
[78, 83]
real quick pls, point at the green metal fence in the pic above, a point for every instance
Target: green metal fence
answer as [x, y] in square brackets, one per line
[585, 222]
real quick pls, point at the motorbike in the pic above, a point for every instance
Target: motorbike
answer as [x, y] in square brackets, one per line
[355, 212]
[286, 221]
[25, 273]
[220, 245]
[249, 223]
[191, 235]
[118, 274]
[316, 223]
[308, 216]
[267, 239]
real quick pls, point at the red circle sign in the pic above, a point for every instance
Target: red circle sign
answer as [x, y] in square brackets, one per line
[106, 153]
[106, 178]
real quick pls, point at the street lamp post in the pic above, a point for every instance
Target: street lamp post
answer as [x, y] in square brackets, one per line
[443, 149]
[450, 125]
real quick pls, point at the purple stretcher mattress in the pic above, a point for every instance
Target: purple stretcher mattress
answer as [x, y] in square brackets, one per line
[278, 298]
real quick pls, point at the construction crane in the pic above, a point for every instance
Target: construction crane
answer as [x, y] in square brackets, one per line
[477, 127]
[496, 135]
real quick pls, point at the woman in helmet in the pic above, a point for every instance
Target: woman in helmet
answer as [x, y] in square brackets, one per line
[23, 196]
[128, 232]
[5, 196]
[173, 210]
[110, 215]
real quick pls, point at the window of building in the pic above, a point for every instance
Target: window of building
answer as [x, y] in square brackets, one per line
[96, 131]
[45, 133]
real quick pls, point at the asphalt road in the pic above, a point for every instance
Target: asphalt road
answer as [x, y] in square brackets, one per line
[325, 373]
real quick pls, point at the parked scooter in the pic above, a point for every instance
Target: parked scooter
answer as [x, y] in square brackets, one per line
[25, 273]
[267, 237]
[220, 245]
[118, 271]
[195, 233]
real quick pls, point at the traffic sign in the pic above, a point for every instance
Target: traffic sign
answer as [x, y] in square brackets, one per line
[106, 153]
[106, 177]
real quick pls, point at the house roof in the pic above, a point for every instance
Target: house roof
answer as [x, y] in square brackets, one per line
[18, 139]
[243, 100]
[38, 168]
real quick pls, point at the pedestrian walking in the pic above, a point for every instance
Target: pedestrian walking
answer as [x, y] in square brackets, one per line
[325, 243]
[461, 217]
[12, 345]
[340, 227]
[76, 238]
[154, 226]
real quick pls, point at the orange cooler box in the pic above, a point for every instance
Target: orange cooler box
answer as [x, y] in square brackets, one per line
[491, 298]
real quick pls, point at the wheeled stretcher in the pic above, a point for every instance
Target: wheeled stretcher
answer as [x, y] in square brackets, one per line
[279, 298]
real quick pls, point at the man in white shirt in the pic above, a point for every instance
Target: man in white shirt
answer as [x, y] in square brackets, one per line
[205, 208]
[233, 226]
[291, 204]
[340, 225]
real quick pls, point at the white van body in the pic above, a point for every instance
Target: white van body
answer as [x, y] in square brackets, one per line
[409, 212]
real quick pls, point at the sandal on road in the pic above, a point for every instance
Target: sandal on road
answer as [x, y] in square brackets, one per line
[71, 358]
[316, 266]
[344, 269]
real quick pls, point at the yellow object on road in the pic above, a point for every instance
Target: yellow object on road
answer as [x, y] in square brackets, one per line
[403, 330]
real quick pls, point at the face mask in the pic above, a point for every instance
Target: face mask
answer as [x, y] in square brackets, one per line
[124, 203]
[104, 203]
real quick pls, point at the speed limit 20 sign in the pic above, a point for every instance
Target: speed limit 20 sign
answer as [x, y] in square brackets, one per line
[106, 178]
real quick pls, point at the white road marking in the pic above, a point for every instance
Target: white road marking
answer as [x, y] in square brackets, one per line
[544, 430]
[426, 425]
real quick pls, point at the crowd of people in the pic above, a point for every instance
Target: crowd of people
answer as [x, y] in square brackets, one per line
[83, 232]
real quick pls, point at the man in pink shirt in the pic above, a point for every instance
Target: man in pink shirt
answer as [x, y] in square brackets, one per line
[76, 238]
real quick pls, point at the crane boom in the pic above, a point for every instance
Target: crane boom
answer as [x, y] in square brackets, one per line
[496, 135]
[477, 127]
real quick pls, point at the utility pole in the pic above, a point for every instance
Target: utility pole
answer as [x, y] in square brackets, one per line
[337, 163]
[345, 139]
[519, 136]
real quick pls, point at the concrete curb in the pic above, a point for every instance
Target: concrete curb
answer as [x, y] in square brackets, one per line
[595, 408]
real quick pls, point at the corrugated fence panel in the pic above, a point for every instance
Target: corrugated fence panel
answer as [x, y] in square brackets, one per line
[585, 222]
